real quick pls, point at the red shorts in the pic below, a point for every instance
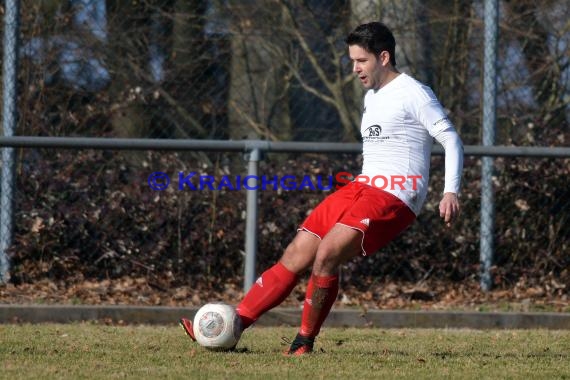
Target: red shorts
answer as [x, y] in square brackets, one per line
[379, 215]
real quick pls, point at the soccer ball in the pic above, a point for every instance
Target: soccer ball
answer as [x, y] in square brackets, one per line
[217, 326]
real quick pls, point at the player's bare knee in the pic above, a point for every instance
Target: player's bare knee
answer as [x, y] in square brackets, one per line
[298, 257]
[326, 261]
[296, 248]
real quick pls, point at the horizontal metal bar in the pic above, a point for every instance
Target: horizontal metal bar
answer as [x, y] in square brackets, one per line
[120, 143]
[516, 151]
[248, 145]
[176, 144]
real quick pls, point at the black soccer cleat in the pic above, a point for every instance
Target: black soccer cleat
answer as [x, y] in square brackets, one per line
[301, 345]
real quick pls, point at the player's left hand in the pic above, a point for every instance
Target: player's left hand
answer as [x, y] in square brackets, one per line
[449, 208]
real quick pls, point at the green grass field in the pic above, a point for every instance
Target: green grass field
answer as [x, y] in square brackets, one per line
[93, 351]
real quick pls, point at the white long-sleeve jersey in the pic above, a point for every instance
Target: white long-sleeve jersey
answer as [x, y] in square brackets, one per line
[399, 123]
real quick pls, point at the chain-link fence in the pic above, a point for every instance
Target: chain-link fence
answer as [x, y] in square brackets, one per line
[270, 70]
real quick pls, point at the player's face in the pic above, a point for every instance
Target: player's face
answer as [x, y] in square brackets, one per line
[369, 67]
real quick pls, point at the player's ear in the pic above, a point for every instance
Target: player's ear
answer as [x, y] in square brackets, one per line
[384, 57]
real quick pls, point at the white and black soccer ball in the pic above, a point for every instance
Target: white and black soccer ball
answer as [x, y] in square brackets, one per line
[217, 326]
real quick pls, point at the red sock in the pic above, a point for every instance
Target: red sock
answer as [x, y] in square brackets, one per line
[270, 289]
[321, 295]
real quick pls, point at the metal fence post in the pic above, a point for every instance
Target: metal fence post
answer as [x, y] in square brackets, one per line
[9, 79]
[251, 220]
[489, 122]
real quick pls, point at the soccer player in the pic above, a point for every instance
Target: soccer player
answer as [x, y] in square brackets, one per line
[400, 119]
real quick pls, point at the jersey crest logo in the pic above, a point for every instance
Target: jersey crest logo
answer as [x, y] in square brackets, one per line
[373, 131]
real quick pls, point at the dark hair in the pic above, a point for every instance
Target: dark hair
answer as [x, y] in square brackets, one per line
[374, 37]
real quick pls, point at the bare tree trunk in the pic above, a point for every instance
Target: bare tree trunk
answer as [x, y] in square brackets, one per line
[128, 60]
[450, 25]
[187, 90]
[545, 74]
[258, 93]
